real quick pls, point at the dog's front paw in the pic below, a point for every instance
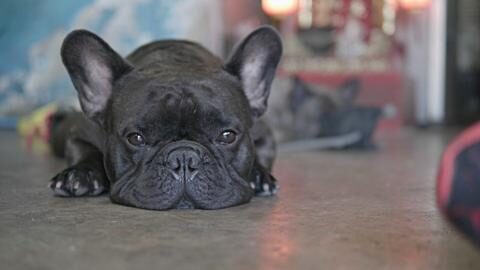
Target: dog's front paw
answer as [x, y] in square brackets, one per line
[264, 184]
[78, 181]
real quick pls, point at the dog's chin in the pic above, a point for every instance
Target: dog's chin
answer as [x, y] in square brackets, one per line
[206, 190]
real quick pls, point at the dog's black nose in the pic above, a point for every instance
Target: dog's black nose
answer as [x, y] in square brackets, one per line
[184, 163]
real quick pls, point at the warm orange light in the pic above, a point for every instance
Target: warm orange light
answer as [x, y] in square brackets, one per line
[414, 4]
[279, 8]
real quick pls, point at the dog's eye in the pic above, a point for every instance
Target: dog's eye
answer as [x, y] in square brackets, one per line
[135, 139]
[227, 137]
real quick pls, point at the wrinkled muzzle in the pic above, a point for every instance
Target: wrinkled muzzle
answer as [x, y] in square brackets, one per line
[183, 174]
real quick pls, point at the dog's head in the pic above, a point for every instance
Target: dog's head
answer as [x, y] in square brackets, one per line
[176, 121]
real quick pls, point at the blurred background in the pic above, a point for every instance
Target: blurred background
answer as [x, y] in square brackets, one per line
[415, 61]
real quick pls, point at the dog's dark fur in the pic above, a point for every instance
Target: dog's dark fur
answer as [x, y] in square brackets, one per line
[170, 126]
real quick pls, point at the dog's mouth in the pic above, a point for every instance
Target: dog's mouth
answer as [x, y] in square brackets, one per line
[186, 176]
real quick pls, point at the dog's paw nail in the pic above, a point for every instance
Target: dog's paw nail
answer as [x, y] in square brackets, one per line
[96, 185]
[58, 185]
[268, 190]
[70, 175]
[97, 189]
[78, 189]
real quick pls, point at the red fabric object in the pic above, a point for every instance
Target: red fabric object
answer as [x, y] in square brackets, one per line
[458, 182]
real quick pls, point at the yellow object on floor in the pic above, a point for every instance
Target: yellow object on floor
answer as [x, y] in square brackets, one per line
[35, 128]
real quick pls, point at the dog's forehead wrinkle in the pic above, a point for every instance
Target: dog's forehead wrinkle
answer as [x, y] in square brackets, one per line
[179, 105]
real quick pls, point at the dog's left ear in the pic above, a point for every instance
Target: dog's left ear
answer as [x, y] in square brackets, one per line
[93, 67]
[254, 62]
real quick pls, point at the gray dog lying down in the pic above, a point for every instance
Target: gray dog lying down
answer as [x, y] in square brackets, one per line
[169, 126]
[305, 118]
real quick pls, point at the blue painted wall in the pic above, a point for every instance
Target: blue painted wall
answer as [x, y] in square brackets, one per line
[31, 32]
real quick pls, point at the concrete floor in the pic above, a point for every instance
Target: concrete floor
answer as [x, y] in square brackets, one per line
[350, 210]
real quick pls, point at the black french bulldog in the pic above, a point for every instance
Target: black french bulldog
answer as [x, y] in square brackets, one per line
[169, 126]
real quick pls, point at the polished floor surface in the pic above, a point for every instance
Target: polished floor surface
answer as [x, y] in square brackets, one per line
[335, 210]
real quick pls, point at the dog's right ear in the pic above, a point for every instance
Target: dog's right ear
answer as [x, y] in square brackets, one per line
[254, 62]
[93, 67]
[300, 93]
